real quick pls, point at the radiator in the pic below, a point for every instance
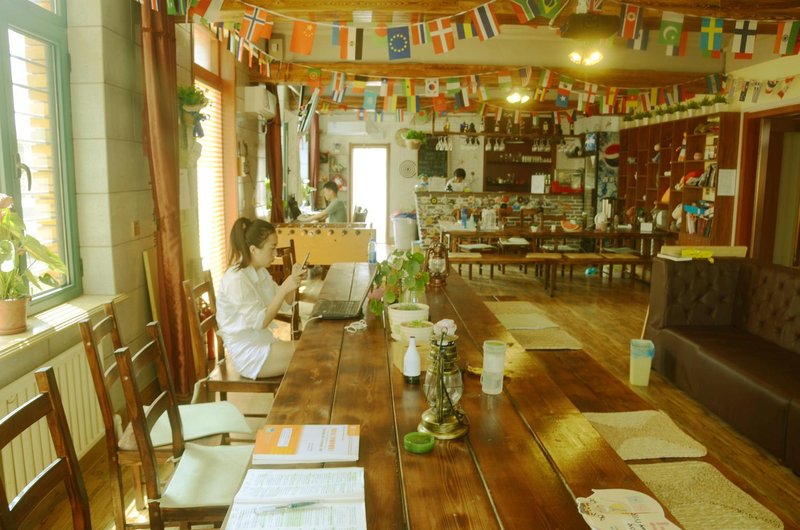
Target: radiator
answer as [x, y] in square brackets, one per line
[30, 452]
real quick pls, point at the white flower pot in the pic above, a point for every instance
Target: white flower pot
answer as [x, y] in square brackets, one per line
[421, 330]
[398, 313]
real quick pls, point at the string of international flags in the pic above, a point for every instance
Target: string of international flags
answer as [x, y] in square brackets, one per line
[461, 92]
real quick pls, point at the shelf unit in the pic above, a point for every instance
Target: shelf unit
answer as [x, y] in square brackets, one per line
[650, 180]
[511, 169]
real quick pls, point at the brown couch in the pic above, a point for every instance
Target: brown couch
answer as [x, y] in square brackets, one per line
[728, 334]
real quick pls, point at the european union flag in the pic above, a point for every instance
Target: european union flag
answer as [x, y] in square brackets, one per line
[399, 43]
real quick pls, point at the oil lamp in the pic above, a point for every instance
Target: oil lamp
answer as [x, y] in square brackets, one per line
[437, 263]
[443, 388]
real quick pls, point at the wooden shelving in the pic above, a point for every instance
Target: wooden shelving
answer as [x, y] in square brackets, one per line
[511, 168]
[651, 179]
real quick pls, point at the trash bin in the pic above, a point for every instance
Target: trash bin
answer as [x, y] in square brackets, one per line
[405, 231]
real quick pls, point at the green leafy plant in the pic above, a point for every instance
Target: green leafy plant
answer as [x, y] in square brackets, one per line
[669, 109]
[680, 107]
[720, 98]
[401, 271]
[628, 117]
[706, 101]
[411, 134]
[693, 104]
[190, 95]
[19, 252]
[659, 111]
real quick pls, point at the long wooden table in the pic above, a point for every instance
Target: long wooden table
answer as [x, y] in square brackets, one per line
[529, 451]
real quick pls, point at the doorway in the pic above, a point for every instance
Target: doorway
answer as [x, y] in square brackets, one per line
[370, 171]
[772, 157]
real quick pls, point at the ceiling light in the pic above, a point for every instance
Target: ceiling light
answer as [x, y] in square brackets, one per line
[518, 97]
[586, 57]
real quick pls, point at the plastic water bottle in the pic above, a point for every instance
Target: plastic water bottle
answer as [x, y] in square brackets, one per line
[463, 217]
[411, 362]
[372, 256]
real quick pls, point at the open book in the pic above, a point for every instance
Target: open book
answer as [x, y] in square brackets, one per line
[302, 444]
[300, 498]
[620, 509]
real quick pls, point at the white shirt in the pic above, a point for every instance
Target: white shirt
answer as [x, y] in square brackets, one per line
[242, 302]
[455, 186]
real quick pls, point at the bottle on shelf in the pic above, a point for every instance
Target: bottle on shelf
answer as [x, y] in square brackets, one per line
[372, 255]
[411, 362]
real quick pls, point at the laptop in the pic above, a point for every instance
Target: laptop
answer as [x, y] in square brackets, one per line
[339, 309]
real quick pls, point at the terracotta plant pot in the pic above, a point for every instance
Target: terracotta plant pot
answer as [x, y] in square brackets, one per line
[13, 316]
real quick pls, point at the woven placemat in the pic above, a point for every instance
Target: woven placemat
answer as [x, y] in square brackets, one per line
[525, 321]
[545, 339]
[701, 498]
[505, 308]
[644, 434]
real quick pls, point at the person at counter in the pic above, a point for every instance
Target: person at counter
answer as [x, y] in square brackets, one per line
[335, 212]
[457, 182]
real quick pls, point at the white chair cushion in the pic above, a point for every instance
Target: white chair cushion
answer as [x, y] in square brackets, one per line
[207, 476]
[200, 420]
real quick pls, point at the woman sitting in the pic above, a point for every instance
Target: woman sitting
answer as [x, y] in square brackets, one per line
[249, 299]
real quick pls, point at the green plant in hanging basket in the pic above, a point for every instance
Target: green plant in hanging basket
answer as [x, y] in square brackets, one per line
[411, 134]
[191, 96]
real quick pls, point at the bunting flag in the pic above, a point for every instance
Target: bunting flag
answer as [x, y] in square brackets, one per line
[525, 75]
[595, 6]
[338, 95]
[419, 34]
[440, 103]
[710, 33]
[412, 104]
[314, 76]
[370, 100]
[176, 7]
[453, 85]
[378, 117]
[785, 88]
[756, 92]
[358, 84]
[399, 87]
[630, 20]
[680, 49]
[549, 8]
[390, 104]
[400, 115]
[640, 42]
[565, 85]
[442, 35]
[743, 93]
[562, 100]
[399, 43]
[786, 39]
[303, 34]
[337, 26]
[154, 5]
[431, 87]
[338, 81]
[591, 91]
[611, 97]
[256, 24]
[541, 94]
[465, 30]
[644, 101]
[324, 107]
[386, 89]
[671, 28]
[351, 43]
[485, 22]
[711, 54]
[546, 78]
[677, 93]
[207, 9]
[482, 95]
[771, 84]
[408, 87]
[581, 102]
[462, 99]
[473, 83]
[526, 10]
[713, 83]
[744, 38]
[361, 115]
[504, 80]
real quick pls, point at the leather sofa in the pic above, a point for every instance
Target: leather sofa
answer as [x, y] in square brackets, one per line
[728, 334]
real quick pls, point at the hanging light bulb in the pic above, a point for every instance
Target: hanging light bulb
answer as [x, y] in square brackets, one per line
[586, 56]
[514, 97]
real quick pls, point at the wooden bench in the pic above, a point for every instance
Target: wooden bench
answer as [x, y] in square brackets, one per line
[546, 260]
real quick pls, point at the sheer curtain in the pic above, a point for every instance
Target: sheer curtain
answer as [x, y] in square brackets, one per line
[274, 163]
[161, 146]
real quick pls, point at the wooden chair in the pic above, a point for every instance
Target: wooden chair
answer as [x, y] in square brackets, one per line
[215, 372]
[121, 448]
[64, 469]
[205, 479]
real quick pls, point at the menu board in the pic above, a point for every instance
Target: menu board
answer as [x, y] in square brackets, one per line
[431, 162]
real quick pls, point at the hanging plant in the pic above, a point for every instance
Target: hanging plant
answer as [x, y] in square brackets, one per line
[193, 100]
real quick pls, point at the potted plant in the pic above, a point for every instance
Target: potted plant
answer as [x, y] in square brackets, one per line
[18, 253]
[720, 102]
[680, 108]
[693, 107]
[398, 284]
[192, 101]
[627, 120]
[659, 114]
[415, 138]
[706, 104]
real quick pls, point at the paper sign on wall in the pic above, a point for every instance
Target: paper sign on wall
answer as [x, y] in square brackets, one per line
[537, 183]
[726, 182]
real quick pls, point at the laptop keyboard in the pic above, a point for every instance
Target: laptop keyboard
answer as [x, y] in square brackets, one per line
[337, 308]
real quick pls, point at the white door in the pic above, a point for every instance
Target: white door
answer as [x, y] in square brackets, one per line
[369, 190]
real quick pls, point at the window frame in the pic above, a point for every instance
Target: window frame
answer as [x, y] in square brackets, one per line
[28, 18]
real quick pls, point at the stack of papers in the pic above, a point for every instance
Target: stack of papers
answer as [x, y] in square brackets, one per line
[303, 444]
[300, 498]
[619, 509]
[515, 241]
[475, 246]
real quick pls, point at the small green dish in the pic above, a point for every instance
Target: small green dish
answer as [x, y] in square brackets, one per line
[418, 442]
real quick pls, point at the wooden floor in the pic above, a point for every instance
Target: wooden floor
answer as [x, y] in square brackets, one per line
[604, 318]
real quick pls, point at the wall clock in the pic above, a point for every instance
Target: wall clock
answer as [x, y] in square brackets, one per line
[408, 168]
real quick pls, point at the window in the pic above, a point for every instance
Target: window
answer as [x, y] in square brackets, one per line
[35, 133]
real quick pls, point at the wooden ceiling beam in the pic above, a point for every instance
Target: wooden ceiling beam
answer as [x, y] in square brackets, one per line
[298, 74]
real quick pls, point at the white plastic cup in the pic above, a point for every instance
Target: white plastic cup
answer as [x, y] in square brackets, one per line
[642, 352]
[494, 360]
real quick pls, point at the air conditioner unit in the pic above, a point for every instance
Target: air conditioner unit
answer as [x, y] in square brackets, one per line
[259, 100]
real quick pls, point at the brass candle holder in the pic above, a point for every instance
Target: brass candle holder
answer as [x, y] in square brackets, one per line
[443, 389]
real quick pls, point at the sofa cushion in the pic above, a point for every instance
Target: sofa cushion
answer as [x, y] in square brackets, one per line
[746, 380]
[768, 303]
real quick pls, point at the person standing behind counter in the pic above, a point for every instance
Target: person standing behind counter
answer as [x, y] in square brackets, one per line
[248, 300]
[336, 211]
[457, 182]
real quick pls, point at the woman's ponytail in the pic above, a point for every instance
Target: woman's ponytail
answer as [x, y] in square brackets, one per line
[246, 232]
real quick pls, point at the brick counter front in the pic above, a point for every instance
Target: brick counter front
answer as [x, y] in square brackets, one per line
[433, 207]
